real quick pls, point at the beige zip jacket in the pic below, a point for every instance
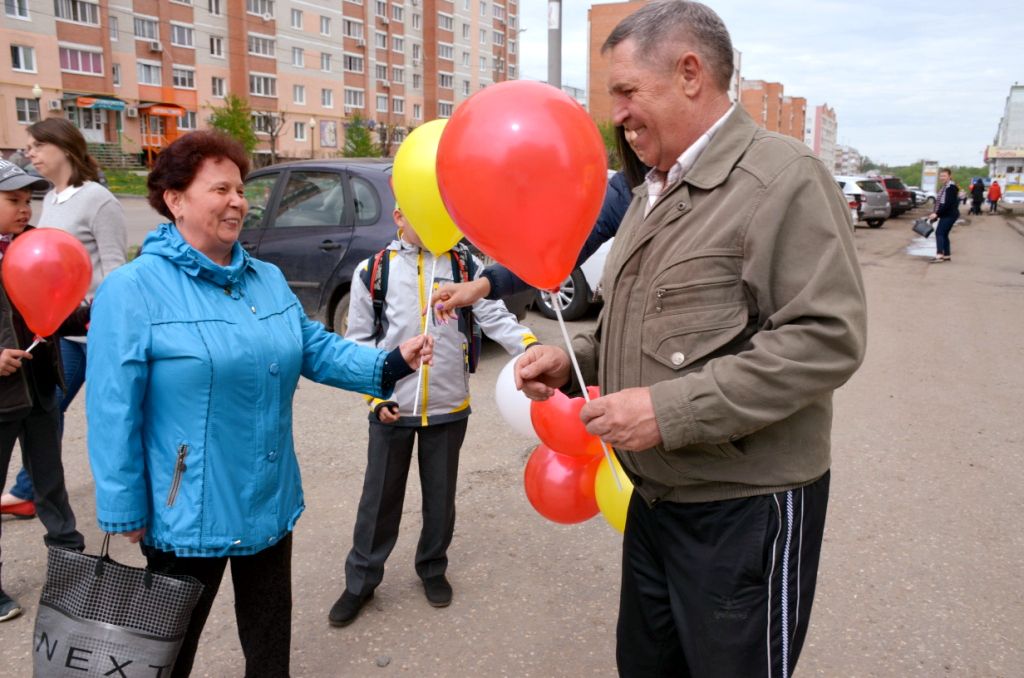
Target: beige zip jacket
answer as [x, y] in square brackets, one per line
[738, 300]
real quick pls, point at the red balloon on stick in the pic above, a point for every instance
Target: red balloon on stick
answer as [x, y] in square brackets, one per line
[561, 487]
[522, 171]
[46, 273]
[558, 425]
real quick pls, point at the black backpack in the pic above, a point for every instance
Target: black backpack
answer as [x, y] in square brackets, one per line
[375, 277]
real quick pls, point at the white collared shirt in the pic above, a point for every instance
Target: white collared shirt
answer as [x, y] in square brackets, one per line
[66, 194]
[658, 183]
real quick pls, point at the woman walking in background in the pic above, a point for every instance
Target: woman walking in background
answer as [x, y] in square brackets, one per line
[994, 194]
[83, 207]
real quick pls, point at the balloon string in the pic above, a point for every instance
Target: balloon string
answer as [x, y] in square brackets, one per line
[557, 303]
[426, 331]
[36, 341]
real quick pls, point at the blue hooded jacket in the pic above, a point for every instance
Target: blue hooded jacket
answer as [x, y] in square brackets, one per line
[191, 371]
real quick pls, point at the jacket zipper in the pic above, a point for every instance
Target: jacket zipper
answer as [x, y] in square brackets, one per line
[179, 470]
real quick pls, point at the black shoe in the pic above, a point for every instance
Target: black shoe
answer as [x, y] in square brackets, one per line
[346, 609]
[9, 608]
[438, 590]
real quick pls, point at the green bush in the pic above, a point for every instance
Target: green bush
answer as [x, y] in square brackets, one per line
[126, 182]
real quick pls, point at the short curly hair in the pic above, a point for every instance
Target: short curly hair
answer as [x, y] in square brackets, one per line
[177, 165]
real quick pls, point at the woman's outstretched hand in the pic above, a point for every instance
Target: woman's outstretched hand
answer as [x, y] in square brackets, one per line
[418, 351]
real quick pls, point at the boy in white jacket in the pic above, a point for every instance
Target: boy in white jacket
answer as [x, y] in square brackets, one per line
[399, 277]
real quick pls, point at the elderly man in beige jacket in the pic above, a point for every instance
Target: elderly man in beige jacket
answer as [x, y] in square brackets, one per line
[734, 307]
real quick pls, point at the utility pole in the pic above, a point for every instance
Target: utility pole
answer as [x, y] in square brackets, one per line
[555, 43]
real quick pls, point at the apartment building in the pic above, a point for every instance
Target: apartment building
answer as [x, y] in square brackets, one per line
[848, 160]
[821, 134]
[136, 74]
[1005, 157]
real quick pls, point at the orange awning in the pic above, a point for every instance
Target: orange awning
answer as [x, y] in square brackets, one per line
[162, 110]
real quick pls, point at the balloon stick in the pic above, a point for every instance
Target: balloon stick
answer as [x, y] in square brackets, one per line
[426, 331]
[36, 340]
[556, 302]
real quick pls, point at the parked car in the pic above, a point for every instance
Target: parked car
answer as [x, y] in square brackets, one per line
[316, 220]
[900, 199]
[921, 197]
[872, 200]
[1012, 201]
[580, 290]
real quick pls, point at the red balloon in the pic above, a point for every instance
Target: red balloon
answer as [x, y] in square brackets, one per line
[46, 273]
[522, 170]
[558, 425]
[561, 487]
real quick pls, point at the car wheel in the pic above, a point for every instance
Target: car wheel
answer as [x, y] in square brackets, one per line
[339, 318]
[875, 223]
[574, 295]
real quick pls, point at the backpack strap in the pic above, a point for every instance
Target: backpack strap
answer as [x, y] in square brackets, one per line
[376, 280]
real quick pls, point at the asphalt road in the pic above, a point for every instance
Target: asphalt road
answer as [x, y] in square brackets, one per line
[921, 567]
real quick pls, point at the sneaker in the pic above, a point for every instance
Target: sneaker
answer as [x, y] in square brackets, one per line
[438, 591]
[22, 509]
[9, 608]
[346, 608]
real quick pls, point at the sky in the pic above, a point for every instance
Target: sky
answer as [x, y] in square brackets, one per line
[907, 80]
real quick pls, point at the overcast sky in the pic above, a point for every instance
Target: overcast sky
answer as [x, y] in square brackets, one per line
[908, 80]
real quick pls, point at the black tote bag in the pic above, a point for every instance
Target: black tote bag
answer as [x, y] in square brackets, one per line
[922, 227]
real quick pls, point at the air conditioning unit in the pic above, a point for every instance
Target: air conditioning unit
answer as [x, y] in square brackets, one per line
[268, 17]
[360, 42]
[156, 46]
[54, 104]
[383, 84]
[132, 112]
[384, 20]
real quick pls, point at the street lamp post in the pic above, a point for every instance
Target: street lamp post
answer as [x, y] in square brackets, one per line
[37, 92]
[312, 126]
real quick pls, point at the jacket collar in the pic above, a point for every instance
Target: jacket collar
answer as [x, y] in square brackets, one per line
[724, 152]
[166, 241]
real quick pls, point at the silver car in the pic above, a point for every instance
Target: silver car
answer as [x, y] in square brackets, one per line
[1012, 201]
[871, 198]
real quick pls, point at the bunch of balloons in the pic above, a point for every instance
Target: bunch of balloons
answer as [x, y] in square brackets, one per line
[567, 477]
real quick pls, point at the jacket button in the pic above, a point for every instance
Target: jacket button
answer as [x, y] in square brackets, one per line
[274, 368]
[681, 206]
[252, 308]
[272, 455]
[678, 358]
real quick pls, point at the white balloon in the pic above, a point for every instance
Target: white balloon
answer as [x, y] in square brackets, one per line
[512, 404]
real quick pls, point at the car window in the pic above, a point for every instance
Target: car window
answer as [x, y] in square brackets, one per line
[367, 203]
[870, 186]
[842, 184]
[311, 198]
[895, 184]
[257, 194]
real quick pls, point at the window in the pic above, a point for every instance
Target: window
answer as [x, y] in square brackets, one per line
[217, 87]
[499, 12]
[310, 198]
[465, 31]
[499, 38]
[445, 51]
[325, 25]
[444, 109]
[397, 74]
[417, 112]
[79, 11]
[381, 8]
[483, 36]
[183, 78]
[445, 21]
[327, 98]
[511, 46]
[182, 36]
[23, 58]
[299, 94]
[465, 88]
[325, 62]
[512, 71]
[263, 122]
[17, 9]
[416, 22]
[187, 121]
[353, 63]
[299, 131]
[259, 7]
[512, 22]
[262, 85]
[382, 103]
[397, 43]
[214, 7]
[182, 2]
[146, 29]
[114, 28]
[28, 110]
[465, 59]
[415, 50]
[81, 61]
[417, 81]
[483, 64]
[398, 105]
[446, 80]
[380, 71]
[352, 29]
[354, 98]
[261, 46]
[149, 73]
[298, 57]
[297, 18]
[115, 75]
[483, 9]
[217, 46]
[380, 40]
[398, 12]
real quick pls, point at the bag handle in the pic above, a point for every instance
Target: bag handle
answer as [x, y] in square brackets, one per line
[147, 578]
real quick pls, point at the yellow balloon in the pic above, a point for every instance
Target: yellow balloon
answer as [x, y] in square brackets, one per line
[415, 183]
[614, 503]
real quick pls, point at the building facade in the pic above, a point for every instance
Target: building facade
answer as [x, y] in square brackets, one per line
[848, 160]
[1005, 157]
[135, 74]
[770, 108]
[821, 134]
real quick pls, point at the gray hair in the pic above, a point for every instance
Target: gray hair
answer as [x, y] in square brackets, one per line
[663, 22]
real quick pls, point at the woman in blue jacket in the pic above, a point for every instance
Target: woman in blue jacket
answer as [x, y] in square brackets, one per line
[195, 350]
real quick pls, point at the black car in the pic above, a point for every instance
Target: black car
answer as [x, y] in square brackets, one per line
[316, 220]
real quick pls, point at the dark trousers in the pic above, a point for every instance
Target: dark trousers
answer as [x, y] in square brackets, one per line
[993, 206]
[719, 589]
[40, 454]
[389, 455]
[942, 230]
[72, 357]
[976, 205]
[263, 604]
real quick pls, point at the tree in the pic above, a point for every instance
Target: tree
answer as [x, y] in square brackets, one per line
[358, 142]
[607, 129]
[234, 118]
[272, 123]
